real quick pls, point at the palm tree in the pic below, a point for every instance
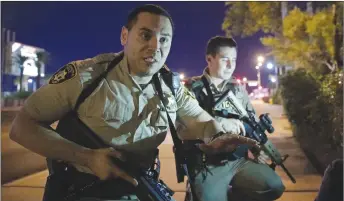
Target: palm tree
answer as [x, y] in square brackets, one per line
[20, 61]
[42, 58]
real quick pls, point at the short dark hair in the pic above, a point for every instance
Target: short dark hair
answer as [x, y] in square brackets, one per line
[150, 8]
[216, 42]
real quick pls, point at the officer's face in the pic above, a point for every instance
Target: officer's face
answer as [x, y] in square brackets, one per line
[223, 64]
[147, 44]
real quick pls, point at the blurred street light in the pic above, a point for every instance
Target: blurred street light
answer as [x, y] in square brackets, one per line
[239, 81]
[29, 80]
[260, 59]
[181, 76]
[269, 65]
[273, 79]
[244, 79]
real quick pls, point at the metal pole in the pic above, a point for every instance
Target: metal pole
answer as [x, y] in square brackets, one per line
[258, 77]
[276, 73]
[8, 36]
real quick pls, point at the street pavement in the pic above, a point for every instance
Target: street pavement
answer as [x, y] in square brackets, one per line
[30, 188]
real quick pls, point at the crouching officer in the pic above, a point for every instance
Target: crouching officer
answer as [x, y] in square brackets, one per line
[249, 179]
[124, 109]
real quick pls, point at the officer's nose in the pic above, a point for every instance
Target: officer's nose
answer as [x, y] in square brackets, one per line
[229, 64]
[154, 43]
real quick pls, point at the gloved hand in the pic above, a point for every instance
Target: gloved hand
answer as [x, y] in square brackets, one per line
[233, 126]
[227, 142]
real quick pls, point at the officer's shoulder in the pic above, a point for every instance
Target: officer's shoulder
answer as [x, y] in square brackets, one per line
[240, 86]
[97, 63]
[85, 70]
[194, 82]
[234, 81]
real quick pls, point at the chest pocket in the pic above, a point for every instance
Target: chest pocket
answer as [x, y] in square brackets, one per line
[116, 111]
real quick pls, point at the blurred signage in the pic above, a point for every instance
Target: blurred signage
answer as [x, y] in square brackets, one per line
[252, 83]
[20, 54]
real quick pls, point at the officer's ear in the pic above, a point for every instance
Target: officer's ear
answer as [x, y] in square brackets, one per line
[208, 58]
[124, 35]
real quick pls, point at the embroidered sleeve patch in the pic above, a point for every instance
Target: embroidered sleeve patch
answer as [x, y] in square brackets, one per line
[187, 92]
[67, 72]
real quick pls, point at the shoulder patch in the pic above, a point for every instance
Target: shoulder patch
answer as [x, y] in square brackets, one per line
[65, 73]
[187, 92]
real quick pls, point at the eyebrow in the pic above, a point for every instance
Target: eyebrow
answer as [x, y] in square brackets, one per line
[150, 31]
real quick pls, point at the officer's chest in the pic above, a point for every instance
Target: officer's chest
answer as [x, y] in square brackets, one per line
[226, 104]
[131, 113]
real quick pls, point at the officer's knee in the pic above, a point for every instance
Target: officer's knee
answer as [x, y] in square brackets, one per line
[276, 189]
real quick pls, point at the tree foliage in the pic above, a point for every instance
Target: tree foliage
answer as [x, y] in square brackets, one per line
[43, 57]
[20, 61]
[315, 103]
[301, 40]
[307, 42]
[247, 18]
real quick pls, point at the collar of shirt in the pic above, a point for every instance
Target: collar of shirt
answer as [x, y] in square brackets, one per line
[213, 87]
[123, 65]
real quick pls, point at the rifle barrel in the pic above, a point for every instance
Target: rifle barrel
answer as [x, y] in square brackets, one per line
[288, 173]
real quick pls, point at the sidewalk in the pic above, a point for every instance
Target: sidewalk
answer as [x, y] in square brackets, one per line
[14, 108]
[31, 188]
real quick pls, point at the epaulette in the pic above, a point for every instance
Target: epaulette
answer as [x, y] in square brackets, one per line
[70, 70]
[233, 80]
[195, 82]
[99, 59]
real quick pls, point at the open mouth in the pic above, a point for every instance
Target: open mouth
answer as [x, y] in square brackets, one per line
[150, 60]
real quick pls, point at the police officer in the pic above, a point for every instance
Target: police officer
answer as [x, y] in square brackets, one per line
[124, 110]
[249, 179]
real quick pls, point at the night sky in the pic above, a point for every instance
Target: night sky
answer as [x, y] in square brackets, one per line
[78, 30]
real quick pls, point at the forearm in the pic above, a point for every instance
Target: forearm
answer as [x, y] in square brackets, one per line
[202, 127]
[43, 141]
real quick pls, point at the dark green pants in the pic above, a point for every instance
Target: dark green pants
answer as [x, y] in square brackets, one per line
[250, 181]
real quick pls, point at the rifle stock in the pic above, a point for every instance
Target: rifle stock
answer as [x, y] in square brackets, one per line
[149, 188]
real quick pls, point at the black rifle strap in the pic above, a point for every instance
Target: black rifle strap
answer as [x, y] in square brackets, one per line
[91, 87]
[176, 141]
[210, 96]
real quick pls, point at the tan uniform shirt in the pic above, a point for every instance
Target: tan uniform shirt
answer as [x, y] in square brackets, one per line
[118, 110]
[238, 90]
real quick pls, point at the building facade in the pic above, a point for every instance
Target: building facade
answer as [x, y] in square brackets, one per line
[18, 59]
